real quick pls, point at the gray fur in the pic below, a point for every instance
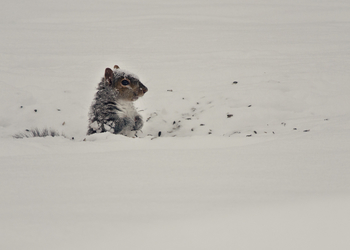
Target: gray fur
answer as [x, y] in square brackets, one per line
[110, 112]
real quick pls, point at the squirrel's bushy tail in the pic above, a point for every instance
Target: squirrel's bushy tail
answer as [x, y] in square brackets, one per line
[36, 133]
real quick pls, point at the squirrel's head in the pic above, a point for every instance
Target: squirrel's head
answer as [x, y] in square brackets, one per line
[126, 84]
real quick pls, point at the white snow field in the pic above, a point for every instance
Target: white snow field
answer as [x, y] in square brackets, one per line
[251, 101]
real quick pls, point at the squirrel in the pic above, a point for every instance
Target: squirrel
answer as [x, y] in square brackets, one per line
[112, 109]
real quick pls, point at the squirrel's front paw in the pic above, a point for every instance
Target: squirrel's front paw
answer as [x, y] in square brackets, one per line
[138, 123]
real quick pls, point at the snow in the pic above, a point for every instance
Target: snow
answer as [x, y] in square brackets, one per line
[258, 164]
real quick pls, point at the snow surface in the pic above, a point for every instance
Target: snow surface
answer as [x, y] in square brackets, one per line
[251, 99]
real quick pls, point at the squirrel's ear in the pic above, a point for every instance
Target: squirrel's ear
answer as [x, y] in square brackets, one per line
[109, 76]
[116, 66]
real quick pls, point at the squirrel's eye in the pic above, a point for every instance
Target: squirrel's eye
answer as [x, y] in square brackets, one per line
[125, 82]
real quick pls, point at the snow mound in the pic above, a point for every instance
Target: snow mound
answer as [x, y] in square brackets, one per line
[237, 109]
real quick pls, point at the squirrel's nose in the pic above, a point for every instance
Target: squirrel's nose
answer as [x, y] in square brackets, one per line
[143, 88]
